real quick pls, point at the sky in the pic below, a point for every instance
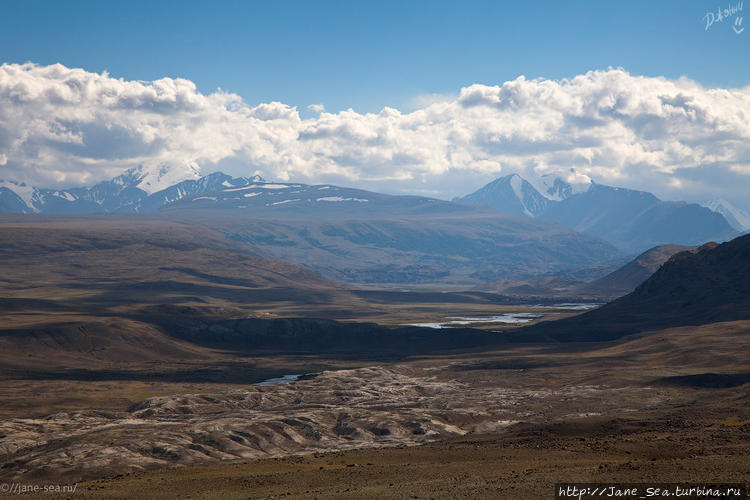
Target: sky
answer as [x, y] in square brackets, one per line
[433, 98]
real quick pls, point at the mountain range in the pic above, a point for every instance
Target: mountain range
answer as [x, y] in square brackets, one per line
[631, 220]
[344, 234]
[510, 228]
[360, 236]
[137, 190]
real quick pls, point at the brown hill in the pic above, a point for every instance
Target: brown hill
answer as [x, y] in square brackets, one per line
[625, 279]
[593, 282]
[72, 289]
[391, 240]
[700, 286]
[105, 264]
[95, 293]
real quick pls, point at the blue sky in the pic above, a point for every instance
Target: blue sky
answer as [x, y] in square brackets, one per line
[458, 114]
[366, 55]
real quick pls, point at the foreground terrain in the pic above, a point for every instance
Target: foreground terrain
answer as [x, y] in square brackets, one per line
[490, 423]
[131, 353]
[526, 464]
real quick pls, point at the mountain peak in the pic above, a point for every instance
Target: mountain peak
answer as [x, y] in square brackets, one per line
[160, 176]
[23, 191]
[632, 220]
[511, 194]
[505, 180]
[142, 188]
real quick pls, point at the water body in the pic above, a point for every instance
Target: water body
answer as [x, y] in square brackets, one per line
[288, 378]
[504, 319]
[578, 306]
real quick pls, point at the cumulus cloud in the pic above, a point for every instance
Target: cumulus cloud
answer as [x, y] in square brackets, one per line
[61, 126]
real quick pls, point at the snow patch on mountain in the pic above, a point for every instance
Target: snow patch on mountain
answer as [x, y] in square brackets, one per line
[285, 201]
[278, 186]
[517, 183]
[339, 198]
[162, 176]
[65, 195]
[737, 218]
[27, 193]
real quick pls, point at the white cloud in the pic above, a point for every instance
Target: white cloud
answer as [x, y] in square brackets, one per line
[316, 108]
[62, 126]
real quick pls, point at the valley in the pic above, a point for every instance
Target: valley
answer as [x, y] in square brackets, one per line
[318, 250]
[132, 350]
[103, 311]
[508, 419]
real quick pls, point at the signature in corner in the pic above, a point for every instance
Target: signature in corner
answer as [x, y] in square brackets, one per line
[721, 14]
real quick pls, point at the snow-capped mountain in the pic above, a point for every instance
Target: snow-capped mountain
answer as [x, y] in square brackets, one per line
[510, 194]
[15, 197]
[160, 177]
[633, 221]
[139, 189]
[515, 195]
[188, 188]
[19, 197]
[350, 234]
[737, 218]
[345, 234]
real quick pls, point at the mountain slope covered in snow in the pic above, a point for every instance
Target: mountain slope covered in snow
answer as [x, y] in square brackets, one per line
[737, 218]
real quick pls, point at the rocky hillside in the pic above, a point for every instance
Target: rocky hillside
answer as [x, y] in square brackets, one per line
[700, 286]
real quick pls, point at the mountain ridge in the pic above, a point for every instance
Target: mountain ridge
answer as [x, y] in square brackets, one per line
[601, 283]
[352, 235]
[632, 220]
[360, 236]
[703, 285]
[138, 189]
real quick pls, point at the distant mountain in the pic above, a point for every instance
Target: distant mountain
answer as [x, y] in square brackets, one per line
[139, 189]
[737, 218]
[10, 202]
[344, 234]
[705, 285]
[365, 237]
[510, 194]
[634, 221]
